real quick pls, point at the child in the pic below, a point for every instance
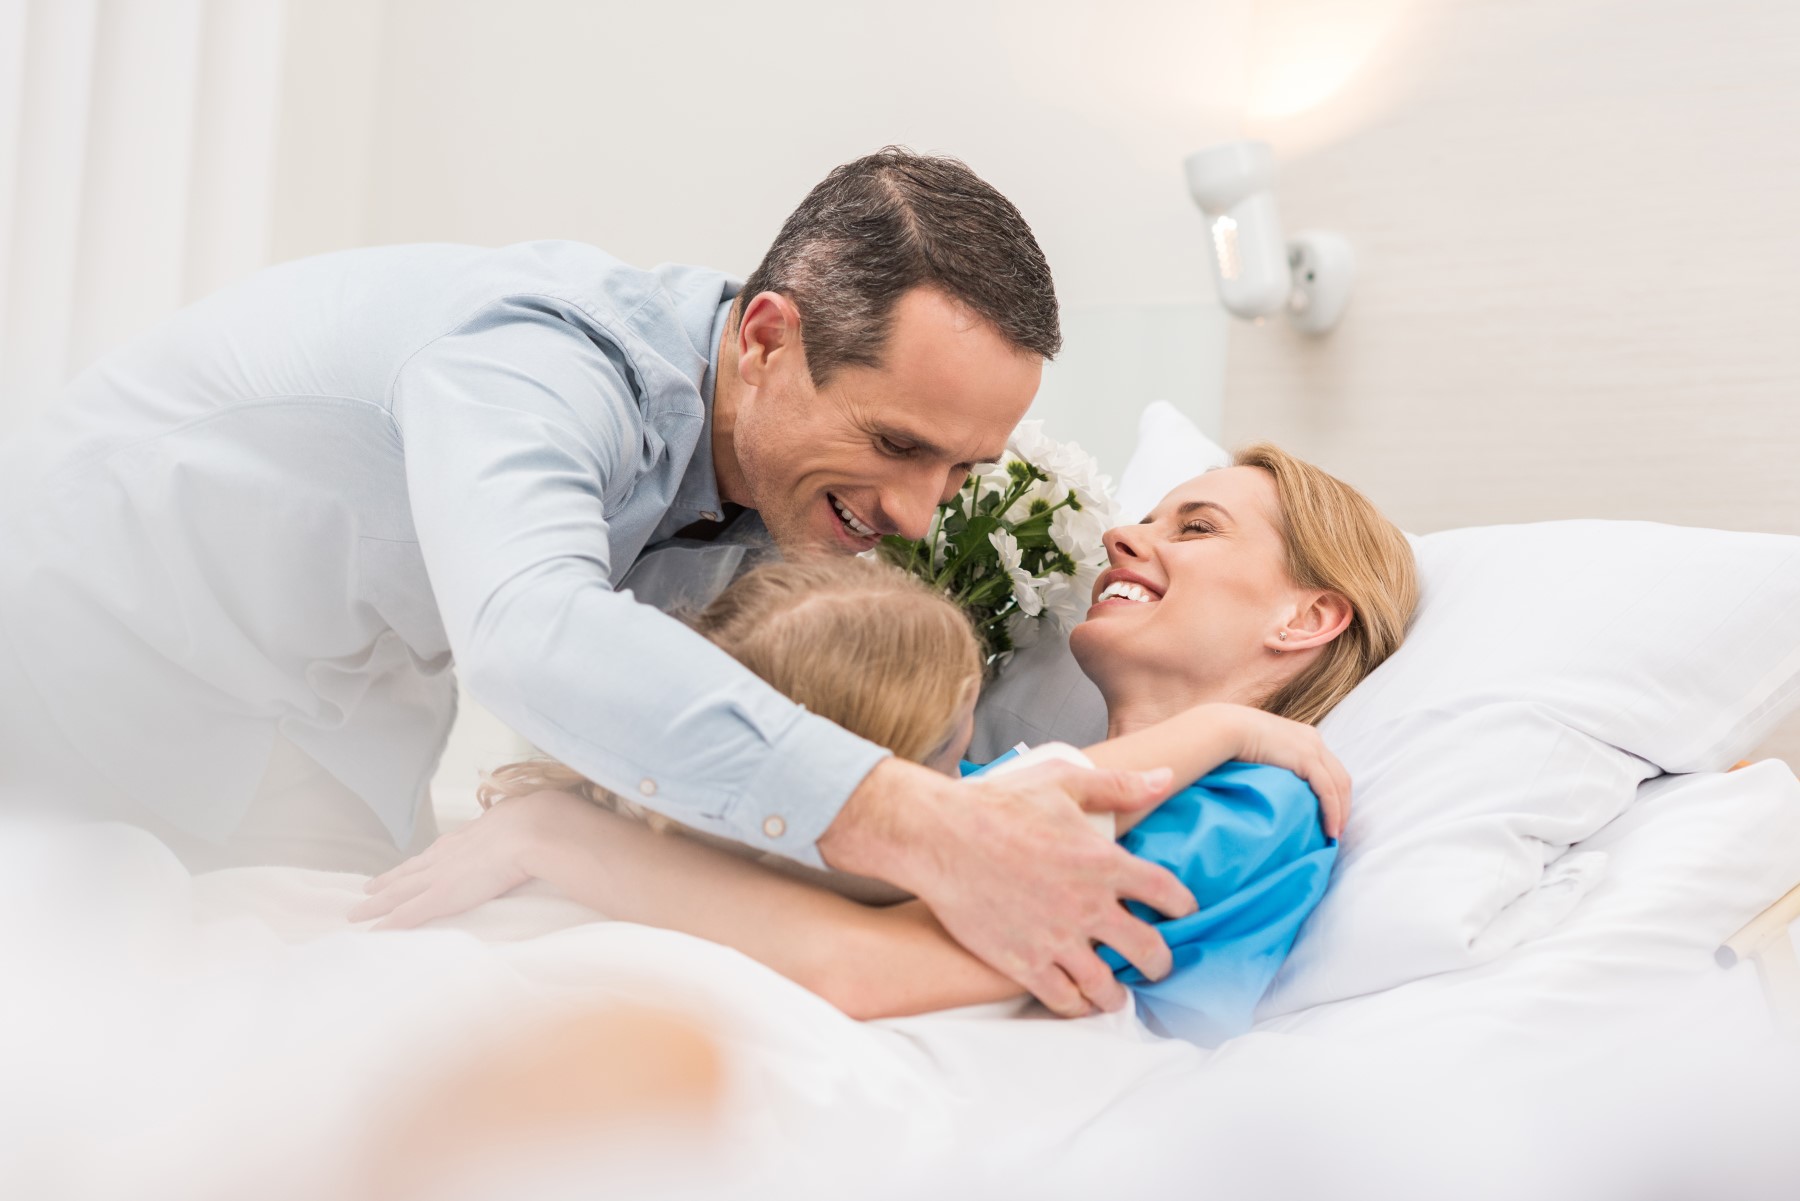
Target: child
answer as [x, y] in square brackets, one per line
[876, 650]
[882, 654]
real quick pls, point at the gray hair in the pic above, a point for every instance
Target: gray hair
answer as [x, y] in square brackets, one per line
[891, 221]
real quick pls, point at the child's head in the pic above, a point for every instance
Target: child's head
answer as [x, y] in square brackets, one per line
[874, 649]
[862, 643]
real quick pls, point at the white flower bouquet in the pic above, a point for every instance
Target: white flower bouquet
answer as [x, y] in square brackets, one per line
[1020, 542]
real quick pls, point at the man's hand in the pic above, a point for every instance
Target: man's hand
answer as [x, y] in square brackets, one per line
[1014, 871]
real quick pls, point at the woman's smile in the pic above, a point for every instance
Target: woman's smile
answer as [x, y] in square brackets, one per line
[1120, 587]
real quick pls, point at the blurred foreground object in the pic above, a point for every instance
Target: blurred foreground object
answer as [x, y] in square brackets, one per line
[567, 1084]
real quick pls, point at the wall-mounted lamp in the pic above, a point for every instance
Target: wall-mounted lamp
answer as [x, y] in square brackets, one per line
[1259, 273]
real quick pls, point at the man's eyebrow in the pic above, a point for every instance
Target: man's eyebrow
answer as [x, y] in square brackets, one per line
[931, 448]
[1194, 506]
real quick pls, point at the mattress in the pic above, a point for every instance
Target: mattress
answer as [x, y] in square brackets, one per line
[230, 1034]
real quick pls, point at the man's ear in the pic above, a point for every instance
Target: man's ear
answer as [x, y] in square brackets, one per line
[1321, 617]
[767, 333]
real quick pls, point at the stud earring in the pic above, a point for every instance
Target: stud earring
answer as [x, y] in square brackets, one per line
[1283, 637]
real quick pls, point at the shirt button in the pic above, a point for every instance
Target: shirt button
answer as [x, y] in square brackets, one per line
[710, 516]
[647, 786]
[774, 827]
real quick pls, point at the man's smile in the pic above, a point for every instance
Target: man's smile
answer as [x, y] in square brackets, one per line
[851, 527]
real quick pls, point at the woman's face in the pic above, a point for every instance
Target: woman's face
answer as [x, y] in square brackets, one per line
[1206, 591]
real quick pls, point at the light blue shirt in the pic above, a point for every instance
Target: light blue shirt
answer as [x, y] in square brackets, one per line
[298, 502]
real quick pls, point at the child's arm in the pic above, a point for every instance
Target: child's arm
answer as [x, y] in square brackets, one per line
[870, 962]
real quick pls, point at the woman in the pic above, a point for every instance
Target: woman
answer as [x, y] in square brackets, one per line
[1235, 615]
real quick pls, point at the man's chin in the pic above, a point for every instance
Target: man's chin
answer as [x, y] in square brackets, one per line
[798, 539]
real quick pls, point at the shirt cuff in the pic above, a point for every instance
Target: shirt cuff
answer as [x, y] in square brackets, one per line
[808, 774]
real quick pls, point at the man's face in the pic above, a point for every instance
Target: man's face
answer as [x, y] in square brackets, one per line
[877, 449]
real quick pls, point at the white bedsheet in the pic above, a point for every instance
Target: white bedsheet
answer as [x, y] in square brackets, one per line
[229, 1035]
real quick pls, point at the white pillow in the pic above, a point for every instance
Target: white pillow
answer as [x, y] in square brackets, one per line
[1551, 668]
[1171, 450]
[1042, 694]
[1690, 861]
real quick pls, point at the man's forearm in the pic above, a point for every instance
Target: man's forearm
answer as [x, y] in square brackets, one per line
[701, 739]
[885, 829]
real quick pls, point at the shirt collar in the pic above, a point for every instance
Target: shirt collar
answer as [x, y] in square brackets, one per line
[699, 491]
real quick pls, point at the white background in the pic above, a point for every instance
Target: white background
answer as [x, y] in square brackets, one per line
[1573, 216]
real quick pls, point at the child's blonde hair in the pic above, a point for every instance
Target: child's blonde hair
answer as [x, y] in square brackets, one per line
[876, 650]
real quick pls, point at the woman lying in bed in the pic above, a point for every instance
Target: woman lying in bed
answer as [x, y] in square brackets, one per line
[1246, 605]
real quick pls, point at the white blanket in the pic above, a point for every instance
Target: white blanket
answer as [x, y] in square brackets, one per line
[230, 1035]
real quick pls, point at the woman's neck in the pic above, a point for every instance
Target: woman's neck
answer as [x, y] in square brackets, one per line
[1134, 709]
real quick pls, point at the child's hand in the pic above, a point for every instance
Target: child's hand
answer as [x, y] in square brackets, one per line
[488, 858]
[1265, 738]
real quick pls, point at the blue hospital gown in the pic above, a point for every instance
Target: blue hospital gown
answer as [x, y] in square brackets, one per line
[1246, 841]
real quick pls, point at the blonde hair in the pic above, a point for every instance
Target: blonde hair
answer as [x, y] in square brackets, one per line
[1337, 540]
[876, 650]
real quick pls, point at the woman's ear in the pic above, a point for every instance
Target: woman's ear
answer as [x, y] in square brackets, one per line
[1321, 617]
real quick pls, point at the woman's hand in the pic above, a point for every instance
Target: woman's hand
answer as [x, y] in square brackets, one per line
[1261, 737]
[487, 858]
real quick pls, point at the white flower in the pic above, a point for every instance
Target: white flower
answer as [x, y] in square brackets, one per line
[1024, 585]
[1029, 443]
[1007, 547]
[1068, 597]
[1047, 491]
[1070, 468]
[993, 482]
[1097, 495]
[1079, 533]
[1063, 480]
[937, 541]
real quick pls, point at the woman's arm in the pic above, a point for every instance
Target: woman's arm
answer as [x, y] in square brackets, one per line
[1198, 740]
[870, 962]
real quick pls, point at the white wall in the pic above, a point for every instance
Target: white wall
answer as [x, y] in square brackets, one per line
[1579, 265]
[687, 132]
[137, 143]
[1573, 216]
[1579, 262]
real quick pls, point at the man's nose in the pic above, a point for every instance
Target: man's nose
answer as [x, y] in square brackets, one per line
[911, 510]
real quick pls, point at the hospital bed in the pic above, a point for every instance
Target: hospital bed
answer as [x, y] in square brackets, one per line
[264, 1038]
[1502, 996]
[1768, 941]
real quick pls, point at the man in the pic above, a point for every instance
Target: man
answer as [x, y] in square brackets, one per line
[239, 559]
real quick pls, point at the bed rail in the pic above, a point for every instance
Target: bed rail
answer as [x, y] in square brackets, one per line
[1765, 941]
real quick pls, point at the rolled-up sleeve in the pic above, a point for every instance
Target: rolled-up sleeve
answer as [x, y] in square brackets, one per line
[518, 428]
